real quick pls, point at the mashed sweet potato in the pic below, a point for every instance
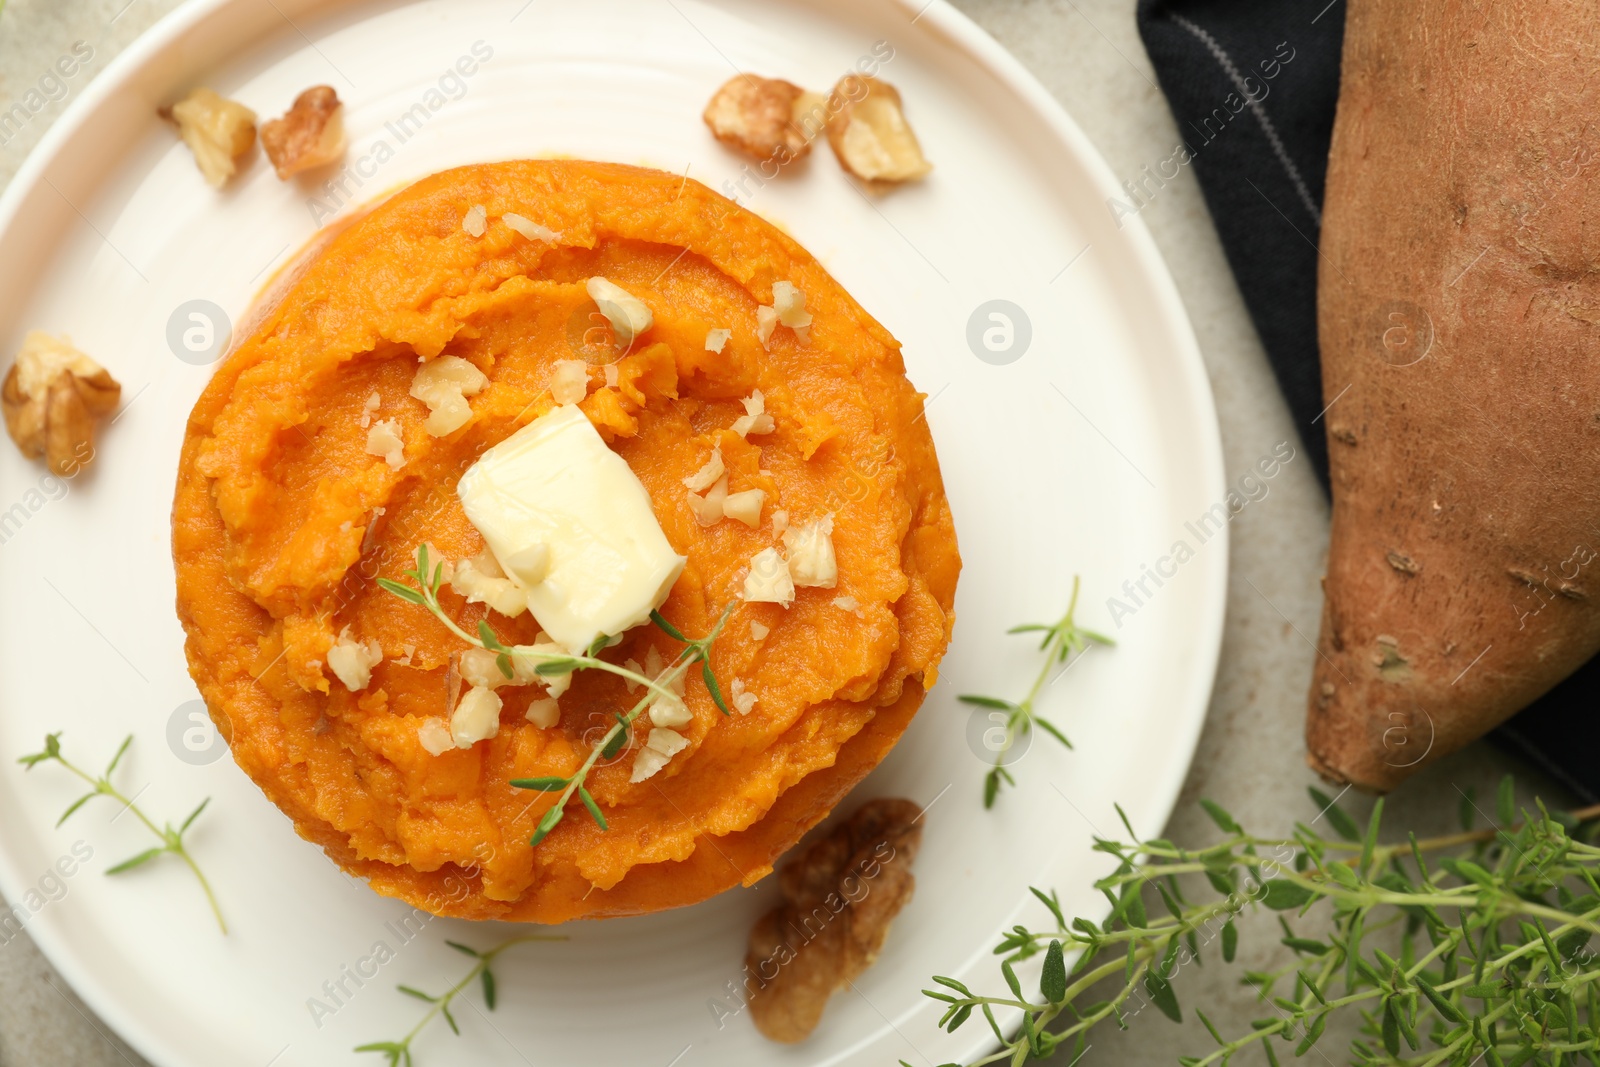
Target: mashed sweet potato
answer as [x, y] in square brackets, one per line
[282, 523]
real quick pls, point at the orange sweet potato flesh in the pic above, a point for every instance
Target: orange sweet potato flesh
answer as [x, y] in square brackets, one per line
[1459, 304]
[278, 541]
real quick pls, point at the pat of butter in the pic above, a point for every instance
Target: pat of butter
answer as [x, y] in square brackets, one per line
[571, 524]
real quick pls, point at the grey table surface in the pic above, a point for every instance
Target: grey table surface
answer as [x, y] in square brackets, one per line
[1251, 754]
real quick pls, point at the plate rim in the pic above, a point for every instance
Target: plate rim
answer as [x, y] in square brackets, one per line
[956, 30]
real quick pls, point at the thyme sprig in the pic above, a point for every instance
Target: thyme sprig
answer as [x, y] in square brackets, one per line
[101, 786]
[1493, 962]
[398, 1053]
[1062, 639]
[694, 651]
[425, 592]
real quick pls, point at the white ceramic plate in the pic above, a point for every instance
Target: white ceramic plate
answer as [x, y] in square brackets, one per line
[1086, 454]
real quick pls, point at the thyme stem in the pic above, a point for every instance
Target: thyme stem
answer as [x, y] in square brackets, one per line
[399, 1052]
[1507, 912]
[101, 785]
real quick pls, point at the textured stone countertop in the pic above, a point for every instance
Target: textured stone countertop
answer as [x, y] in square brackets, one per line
[1251, 756]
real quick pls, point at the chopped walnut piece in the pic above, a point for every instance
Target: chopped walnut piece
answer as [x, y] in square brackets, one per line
[790, 304]
[811, 558]
[657, 752]
[839, 897]
[766, 322]
[768, 580]
[444, 383]
[434, 736]
[533, 231]
[481, 581]
[707, 509]
[869, 133]
[476, 718]
[707, 475]
[311, 135]
[745, 506]
[569, 381]
[767, 118]
[755, 419]
[629, 316]
[479, 668]
[51, 397]
[352, 661]
[543, 713]
[218, 131]
[385, 440]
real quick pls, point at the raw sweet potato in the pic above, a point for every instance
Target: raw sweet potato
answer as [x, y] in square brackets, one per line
[1459, 306]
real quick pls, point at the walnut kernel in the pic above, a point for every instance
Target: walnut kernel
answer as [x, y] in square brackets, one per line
[51, 397]
[868, 131]
[311, 135]
[218, 131]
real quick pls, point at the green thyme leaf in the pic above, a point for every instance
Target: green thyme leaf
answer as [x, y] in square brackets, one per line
[487, 977]
[1162, 996]
[1506, 801]
[667, 628]
[404, 592]
[1313, 1033]
[546, 824]
[193, 815]
[1282, 895]
[1224, 821]
[618, 739]
[112, 766]
[715, 689]
[1439, 1002]
[1053, 903]
[74, 806]
[1338, 818]
[487, 635]
[1053, 978]
[594, 809]
[136, 861]
[1012, 981]
[1050, 728]
[543, 785]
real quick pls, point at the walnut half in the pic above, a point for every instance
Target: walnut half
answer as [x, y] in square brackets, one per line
[217, 130]
[768, 118]
[51, 397]
[868, 131]
[311, 135]
[839, 897]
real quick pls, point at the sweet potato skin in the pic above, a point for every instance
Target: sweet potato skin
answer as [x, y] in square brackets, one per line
[1459, 321]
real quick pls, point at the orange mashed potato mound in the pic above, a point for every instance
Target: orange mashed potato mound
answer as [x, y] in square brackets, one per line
[282, 523]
